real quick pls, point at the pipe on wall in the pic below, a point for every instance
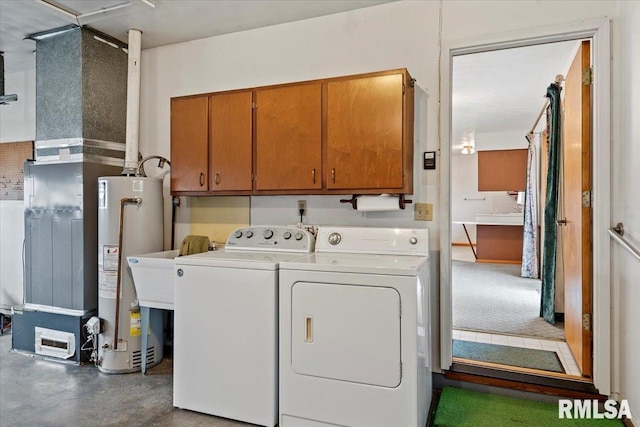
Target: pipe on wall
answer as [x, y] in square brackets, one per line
[133, 103]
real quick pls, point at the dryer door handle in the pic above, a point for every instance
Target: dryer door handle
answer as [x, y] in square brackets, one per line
[308, 329]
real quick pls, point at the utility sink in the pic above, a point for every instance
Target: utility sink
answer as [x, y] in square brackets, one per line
[153, 278]
[501, 218]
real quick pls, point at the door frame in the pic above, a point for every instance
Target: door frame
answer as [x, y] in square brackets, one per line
[599, 31]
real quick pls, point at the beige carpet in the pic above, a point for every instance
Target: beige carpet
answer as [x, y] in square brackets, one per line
[494, 298]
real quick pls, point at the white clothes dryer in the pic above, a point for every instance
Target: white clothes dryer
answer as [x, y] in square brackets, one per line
[226, 324]
[355, 330]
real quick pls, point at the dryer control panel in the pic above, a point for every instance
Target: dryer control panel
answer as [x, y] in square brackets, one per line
[374, 240]
[271, 238]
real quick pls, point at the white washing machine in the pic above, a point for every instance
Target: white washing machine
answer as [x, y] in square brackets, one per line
[226, 324]
[355, 330]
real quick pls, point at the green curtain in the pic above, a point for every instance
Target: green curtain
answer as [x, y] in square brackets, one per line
[547, 296]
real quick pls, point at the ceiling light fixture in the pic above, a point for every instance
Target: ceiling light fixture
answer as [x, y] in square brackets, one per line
[468, 148]
[148, 3]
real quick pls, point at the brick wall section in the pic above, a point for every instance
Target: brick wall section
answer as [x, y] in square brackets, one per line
[12, 158]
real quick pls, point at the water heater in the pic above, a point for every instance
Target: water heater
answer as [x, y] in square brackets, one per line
[130, 222]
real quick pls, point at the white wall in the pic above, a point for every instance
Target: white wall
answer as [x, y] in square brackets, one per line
[18, 119]
[626, 203]
[17, 123]
[395, 35]
[510, 140]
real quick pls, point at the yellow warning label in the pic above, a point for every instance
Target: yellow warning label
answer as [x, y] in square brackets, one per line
[136, 327]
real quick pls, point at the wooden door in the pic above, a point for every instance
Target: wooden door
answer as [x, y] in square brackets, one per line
[364, 129]
[230, 150]
[576, 234]
[289, 137]
[189, 144]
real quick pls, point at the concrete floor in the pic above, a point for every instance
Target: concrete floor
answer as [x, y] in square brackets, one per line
[35, 392]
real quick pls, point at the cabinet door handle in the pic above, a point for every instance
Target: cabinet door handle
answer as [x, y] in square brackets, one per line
[201, 179]
[313, 176]
[333, 175]
[217, 179]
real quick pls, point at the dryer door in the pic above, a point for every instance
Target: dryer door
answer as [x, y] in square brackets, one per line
[346, 332]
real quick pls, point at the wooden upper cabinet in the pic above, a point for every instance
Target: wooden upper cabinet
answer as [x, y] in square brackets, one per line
[502, 170]
[189, 144]
[342, 135]
[230, 151]
[369, 144]
[288, 137]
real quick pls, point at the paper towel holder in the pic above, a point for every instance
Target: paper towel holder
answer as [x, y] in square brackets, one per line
[354, 201]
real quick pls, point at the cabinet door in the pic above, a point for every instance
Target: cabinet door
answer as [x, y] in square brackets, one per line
[230, 150]
[365, 133]
[288, 138]
[189, 144]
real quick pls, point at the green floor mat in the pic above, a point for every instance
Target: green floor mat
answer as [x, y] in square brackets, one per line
[507, 355]
[463, 408]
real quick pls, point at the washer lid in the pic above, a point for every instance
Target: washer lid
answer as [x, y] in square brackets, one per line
[400, 265]
[255, 260]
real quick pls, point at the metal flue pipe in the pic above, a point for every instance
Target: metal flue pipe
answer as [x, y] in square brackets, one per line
[133, 103]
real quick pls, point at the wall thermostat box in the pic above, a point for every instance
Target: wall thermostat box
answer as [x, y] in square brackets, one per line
[429, 160]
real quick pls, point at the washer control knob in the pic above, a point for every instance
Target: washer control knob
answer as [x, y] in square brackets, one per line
[237, 234]
[286, 235]
[249, 234]
[334, 238]
[267, 234]
[299, 236]
[413, 240]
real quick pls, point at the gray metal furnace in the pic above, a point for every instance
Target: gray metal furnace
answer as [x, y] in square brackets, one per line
[80, 132]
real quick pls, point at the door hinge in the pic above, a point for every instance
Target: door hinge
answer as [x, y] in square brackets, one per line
[586, 199]
[400, 309]
[400, 369]
[587, 76]
[253, 177]
[254, 105]
[403, 88]
[586, 322]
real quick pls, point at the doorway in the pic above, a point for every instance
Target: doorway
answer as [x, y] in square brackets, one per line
[497, 97]
[600, 34]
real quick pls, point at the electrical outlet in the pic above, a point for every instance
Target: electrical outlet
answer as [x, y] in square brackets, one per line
[302, 205]
[423, 212]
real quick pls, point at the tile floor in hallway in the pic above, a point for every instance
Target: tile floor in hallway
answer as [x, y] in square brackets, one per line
[560, 347]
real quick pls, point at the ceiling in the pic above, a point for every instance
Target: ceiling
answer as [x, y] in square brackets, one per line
[503, 90]
[169, 22]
